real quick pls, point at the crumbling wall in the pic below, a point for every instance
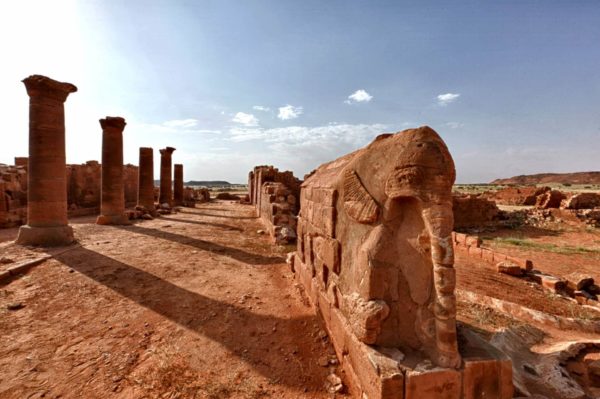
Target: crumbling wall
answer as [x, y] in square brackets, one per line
[518, 195]
[581, 201]
[275, 196]
[83, 190]
[473, 211]
[375, 256]
[13, 194]
[278, 207]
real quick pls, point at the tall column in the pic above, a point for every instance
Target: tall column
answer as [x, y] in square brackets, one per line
[112, 205]
[178, 186]
[146, 180]
[166, 189]
[47, 222]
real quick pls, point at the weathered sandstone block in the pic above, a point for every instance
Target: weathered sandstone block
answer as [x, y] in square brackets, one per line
[47, 180]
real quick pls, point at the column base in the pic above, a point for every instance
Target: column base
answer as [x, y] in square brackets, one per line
[45, 236]
[113, 219]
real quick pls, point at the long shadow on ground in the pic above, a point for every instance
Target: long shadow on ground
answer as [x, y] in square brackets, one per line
[248, 335]
[234, 253]
[222, 226]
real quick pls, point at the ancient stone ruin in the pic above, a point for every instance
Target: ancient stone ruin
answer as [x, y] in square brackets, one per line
[146, 181]
[178, 185]
[112, 208]
[47, 181]
[166, 180]
[375, 255]
[275, 196]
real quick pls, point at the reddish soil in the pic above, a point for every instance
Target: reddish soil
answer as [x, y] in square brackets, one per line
[551, 262]
[190, 305]
[481, 277]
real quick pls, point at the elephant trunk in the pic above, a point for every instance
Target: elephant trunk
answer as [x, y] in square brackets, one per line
[439, 221]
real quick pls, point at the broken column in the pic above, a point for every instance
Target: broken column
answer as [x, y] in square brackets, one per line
[146, 180]
[166, 189]
[178, 185]
[112, 206]
[47, 222]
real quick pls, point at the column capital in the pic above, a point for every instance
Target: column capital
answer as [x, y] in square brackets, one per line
[114, 122]
[42, 86]
[167, 151]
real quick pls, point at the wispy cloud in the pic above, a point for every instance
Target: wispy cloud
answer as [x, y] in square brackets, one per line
[454, 125]
[261, 108]
[245, 119]
[174, 126]
[359, 96]
[289, 112]
[447, 98]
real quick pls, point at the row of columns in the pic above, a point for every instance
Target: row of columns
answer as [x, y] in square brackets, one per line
[47, 222]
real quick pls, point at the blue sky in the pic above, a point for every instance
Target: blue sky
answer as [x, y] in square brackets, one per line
[513, 87]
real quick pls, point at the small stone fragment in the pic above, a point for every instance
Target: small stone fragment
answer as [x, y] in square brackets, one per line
[15, 306]
[509, 268]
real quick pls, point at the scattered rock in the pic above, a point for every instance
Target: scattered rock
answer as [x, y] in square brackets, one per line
[509, 268]
[323, 361]
[5, 261]
[15, 306]
[147, 216]
[260, 232]
[579, 281]
[334, 383]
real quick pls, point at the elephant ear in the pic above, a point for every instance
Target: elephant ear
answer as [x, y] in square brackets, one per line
[358, 203]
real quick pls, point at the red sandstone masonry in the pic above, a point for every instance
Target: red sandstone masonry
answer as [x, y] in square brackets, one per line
[384, 284]
[471, 245]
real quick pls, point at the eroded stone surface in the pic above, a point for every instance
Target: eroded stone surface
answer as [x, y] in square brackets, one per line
[47, 180]
[112, 207]
[166, 188]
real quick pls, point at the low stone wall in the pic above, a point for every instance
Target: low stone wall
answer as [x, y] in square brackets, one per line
[471, 245]
[277, 212]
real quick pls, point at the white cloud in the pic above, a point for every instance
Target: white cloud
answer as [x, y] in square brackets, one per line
[454, 125]
[184, 123]
[289, 112]
[261, 108]
[359, 96]
[245, 119]
[447, 98]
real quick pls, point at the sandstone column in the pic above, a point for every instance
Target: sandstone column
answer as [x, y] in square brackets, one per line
[178, 186]
[146, 180]
[166, 189]
[47, 222]
[112, 206]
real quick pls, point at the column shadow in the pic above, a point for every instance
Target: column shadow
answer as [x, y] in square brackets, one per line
[234, 253]
[248, 335]
[222, 226]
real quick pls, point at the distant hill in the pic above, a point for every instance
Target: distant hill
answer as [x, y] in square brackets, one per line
[562, 178]
[207, 183]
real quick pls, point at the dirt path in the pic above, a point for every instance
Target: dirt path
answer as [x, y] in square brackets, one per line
[190, 305]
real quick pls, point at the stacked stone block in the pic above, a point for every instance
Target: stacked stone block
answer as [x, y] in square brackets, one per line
[277, 212]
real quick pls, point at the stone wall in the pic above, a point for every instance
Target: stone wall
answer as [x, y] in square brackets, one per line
[83, 190]
[473, 211]
[275, 196]
[13, 194]
[375, 256]
[277, 212]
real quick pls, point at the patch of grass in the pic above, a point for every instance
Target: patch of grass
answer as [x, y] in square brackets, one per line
[538, 246]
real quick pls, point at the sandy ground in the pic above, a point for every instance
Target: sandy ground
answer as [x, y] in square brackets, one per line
[190, 305]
